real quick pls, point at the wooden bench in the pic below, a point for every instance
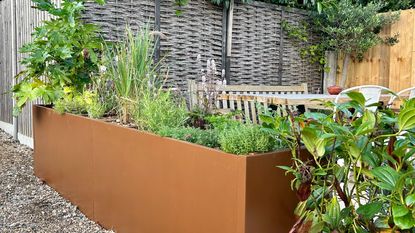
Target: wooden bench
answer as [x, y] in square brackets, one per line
[247, 106]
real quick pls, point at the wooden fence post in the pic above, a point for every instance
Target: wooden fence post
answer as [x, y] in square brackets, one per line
[224, 42]
[281, 49]
[229, 41]
[331, 73]
[14, 63]
[157, 28]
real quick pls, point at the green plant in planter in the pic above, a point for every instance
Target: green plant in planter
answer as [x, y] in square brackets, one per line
[246, 138]
[86, 103]
[130, 66]
[359, 176]
[157, 109]
[64, 53]
[207, 137]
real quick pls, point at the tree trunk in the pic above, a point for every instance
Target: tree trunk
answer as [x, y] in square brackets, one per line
[345, 68]
[331, 70]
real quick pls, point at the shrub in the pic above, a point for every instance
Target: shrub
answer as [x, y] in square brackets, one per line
[85, 103]
[245, 139]
[208, 137]
[157, 109]
[63, 53]
[359, 172]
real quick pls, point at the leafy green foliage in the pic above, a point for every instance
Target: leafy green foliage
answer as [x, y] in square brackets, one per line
[360, 176]
[223, 122]
[208, 137]
[157, 109]
[64, 53]
[352, 28]
[85, 103]
[300, 35]
[245, 139]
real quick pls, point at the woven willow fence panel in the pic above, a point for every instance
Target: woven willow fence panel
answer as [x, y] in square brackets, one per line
[113, 17]
[261, 51]
[197, 32]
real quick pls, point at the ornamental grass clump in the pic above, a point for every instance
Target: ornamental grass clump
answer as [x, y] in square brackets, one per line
[359, 172]
[131, 66]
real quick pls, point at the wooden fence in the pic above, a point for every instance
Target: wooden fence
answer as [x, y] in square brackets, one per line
[17, 21]
[389, 66]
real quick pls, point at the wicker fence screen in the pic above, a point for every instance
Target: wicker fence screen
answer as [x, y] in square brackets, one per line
[261, 51]
[196, 32]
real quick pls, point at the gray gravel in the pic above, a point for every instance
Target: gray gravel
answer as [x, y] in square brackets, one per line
[28, 205]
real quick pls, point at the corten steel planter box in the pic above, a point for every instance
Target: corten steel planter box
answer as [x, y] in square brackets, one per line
[134, 181]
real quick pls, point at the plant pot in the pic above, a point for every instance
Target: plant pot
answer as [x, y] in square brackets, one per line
[133, 181]
[334, 90]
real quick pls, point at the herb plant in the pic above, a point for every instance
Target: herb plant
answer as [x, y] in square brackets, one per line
[245, 139]
[157, 109]
[207, 137]
[63, 53]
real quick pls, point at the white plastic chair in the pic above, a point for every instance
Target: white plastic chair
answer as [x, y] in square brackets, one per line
[411, 91]
[371, 93]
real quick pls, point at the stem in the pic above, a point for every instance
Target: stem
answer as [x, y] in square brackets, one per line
[342, 195]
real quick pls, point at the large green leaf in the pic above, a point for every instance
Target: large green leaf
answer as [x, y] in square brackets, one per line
[369, 210]
[406, 119]
[410, 200]
[386, 176]
[358, 97]
[313, 142]
[402, 217]
[368, 123]
[332, 216]
[399, 210]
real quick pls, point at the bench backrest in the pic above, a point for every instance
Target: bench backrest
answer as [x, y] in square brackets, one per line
[247, 106]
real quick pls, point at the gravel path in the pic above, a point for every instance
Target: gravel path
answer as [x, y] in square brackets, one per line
[27, 205]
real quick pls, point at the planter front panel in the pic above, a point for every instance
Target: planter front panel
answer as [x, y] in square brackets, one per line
[146, 183]
[63, 156]
[133, 181]
[270, 203]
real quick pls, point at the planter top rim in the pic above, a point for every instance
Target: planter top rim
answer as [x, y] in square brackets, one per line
[155, 135]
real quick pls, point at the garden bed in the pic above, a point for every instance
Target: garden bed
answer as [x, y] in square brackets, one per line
[134, 181]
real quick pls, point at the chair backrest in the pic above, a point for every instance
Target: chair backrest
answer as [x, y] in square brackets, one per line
[407, 93]
[371, 93]
[247, 105]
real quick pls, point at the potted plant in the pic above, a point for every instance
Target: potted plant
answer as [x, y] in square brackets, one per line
[360, 177]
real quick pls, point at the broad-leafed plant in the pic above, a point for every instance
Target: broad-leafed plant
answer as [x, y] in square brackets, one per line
[358, 174]
[63, 53]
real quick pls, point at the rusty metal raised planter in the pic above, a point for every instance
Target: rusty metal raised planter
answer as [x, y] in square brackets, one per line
[133, 181]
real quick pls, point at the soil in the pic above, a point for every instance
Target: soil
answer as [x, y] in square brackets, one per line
[27, 204]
